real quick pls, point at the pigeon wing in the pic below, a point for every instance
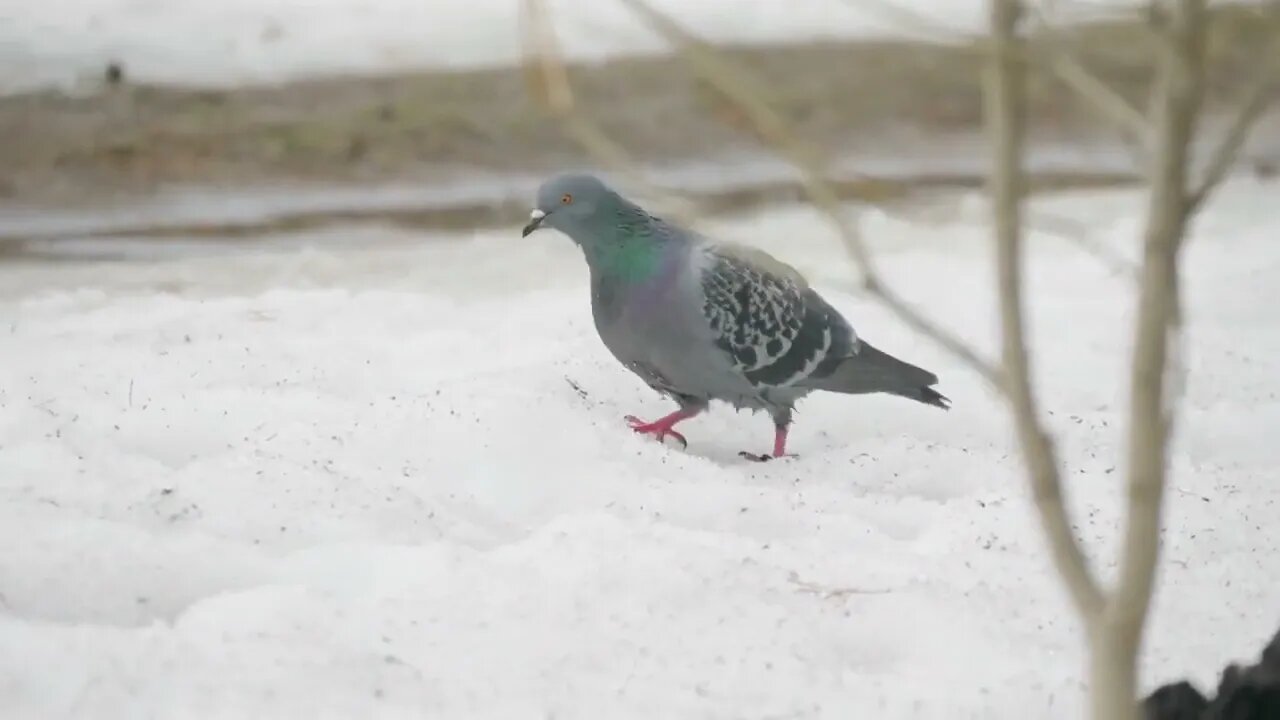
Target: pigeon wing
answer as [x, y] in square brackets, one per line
[775, 329]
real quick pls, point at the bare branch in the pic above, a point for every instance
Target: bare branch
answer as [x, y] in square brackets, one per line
[1107, 102]
[1077, 233]
[1180, 89]
[1005, 111]
[1178, 96]
[555, 89]
[739, 88]
[1226, 154]
[1260, 95]
[827, 593]
[908, 18]
[1127, 119]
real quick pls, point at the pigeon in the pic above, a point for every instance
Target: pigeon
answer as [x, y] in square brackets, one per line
[700, 320]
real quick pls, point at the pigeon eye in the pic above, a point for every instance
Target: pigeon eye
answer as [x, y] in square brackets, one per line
[566, 198]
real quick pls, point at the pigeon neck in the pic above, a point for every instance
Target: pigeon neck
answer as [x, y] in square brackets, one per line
[633, 251]
[627, 258]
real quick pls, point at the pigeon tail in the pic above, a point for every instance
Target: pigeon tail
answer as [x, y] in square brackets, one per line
[872, 370]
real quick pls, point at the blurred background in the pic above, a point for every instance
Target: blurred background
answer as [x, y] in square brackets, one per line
[141, 118]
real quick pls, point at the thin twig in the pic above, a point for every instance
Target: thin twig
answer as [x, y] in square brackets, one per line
[907, 18]
[831, 592]
[1055, 48]
[557, 91]
[1107, 102]
[1229, 150]
[1156, 358]
[1077, 233]
[1263, 91]
[1005, 106]
[739, 88]
[583, 394]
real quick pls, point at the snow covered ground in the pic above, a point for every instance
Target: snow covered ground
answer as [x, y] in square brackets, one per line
[231, 42]
[346, 475]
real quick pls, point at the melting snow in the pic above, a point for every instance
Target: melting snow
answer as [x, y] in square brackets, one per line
[335, 481]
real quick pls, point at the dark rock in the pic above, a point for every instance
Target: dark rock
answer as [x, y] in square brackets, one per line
[1250, 693]
[1175, 701]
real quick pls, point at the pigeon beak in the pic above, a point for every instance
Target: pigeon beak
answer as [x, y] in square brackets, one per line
[535, 221]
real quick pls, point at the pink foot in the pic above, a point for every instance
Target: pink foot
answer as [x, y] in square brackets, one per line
[779, 448]
[662, 427]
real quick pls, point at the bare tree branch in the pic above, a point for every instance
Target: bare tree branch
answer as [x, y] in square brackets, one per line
[1177, 100]
[908, 18]
[1226, 153]
[1112, 106]
[1107, 102]
[1180, 90]
[1005, 111]
[1258, 98]
[740, 89]
[1077, 233]
[557, 91]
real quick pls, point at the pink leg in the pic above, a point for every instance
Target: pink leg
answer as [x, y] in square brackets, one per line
[779, 446]
[780, 441]
[662, 427]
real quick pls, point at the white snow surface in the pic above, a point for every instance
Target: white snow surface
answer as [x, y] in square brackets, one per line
[232, 42]
[344, 475]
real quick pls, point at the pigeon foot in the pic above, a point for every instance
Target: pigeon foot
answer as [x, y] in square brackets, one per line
[779, 447]
[660, 428]
[764, 457]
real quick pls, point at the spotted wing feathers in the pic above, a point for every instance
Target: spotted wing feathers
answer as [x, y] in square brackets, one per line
[775, 329]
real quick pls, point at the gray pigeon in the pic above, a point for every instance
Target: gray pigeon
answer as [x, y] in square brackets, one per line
[699, 321]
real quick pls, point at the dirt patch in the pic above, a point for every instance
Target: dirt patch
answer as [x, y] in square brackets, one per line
[845, 97]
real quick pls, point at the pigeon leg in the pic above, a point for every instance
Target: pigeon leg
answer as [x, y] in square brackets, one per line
[782, 421]
[662, 427]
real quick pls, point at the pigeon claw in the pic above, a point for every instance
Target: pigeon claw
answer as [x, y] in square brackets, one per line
[762, 457]
[661, 429]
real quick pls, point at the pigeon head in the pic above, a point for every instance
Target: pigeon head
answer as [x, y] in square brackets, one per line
[574, 204]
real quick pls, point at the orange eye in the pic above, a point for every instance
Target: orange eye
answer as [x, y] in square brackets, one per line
[566, 198]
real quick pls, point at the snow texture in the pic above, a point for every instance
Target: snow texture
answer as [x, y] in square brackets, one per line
[346, 474]
[233, 42]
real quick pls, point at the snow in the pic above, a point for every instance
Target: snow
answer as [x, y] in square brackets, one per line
[345, 474]
[232, 42]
